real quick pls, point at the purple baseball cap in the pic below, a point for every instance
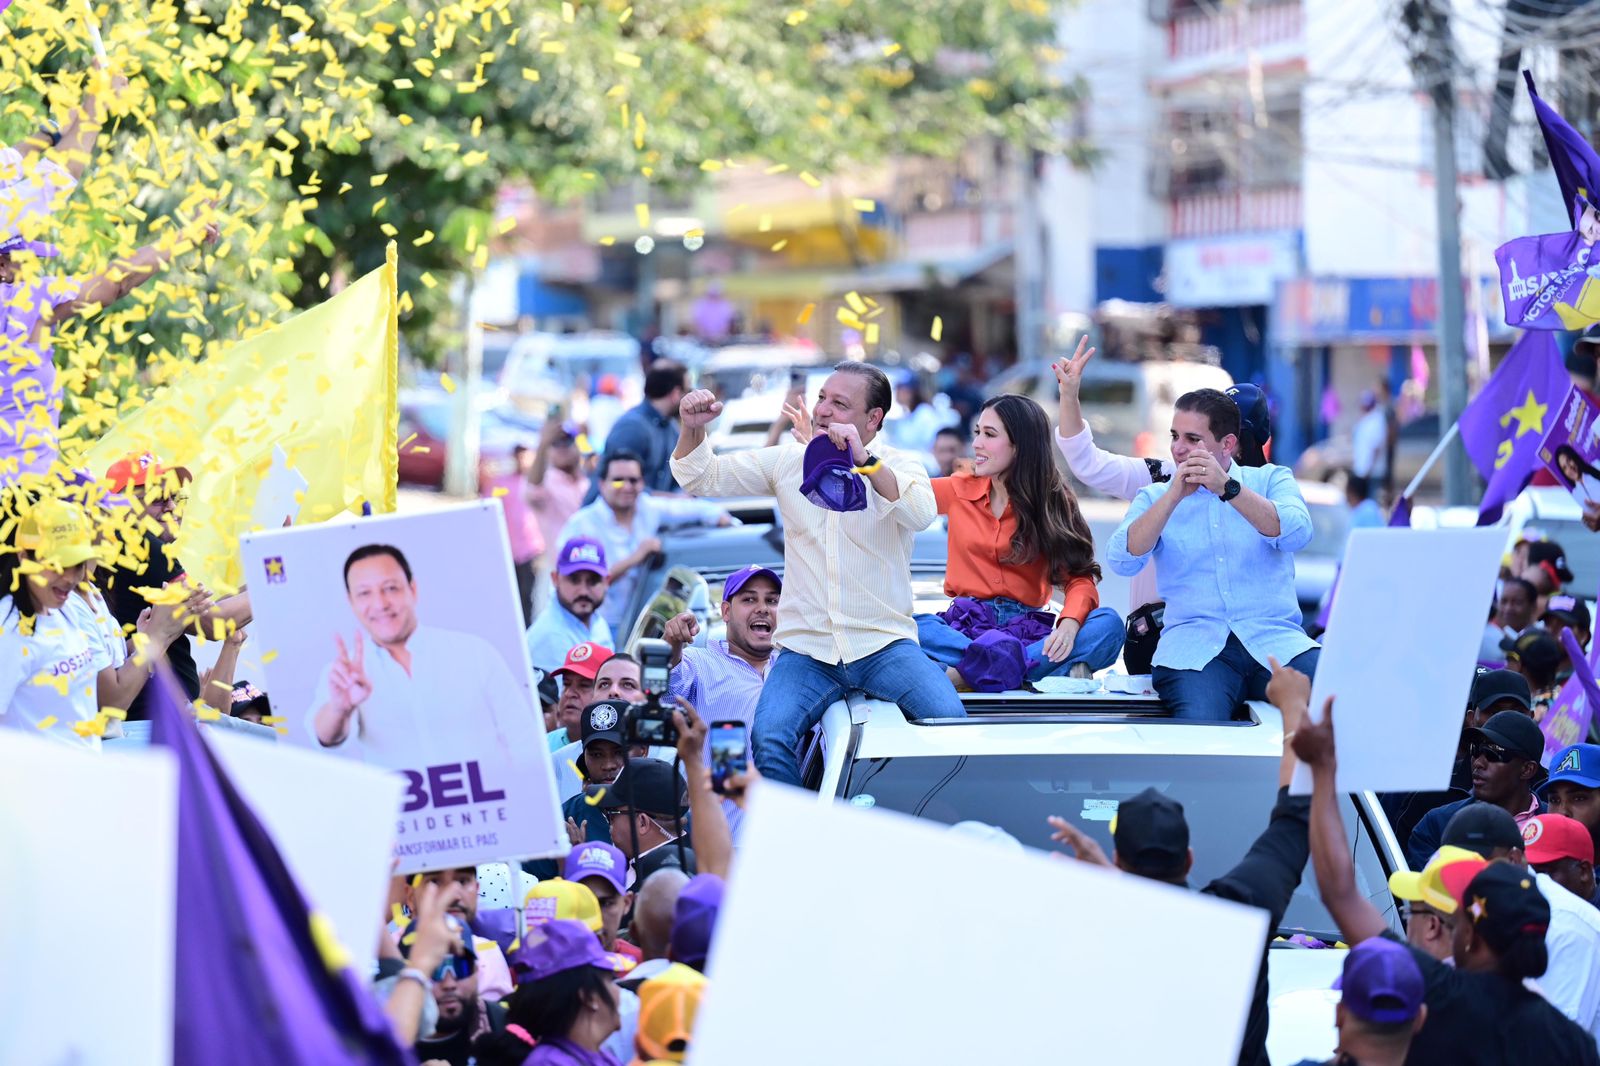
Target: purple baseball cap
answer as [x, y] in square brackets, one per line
[16, 243]
[557, 946]
[580, 554]
[741, 577]
[596, 859]
[1382, 982]
[829, 479]
[694, 919]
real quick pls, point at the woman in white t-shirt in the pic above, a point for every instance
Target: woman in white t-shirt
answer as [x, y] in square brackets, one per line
[48, 666]
[123, 669]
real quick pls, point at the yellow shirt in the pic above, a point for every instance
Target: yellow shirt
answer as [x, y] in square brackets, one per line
[846, 575]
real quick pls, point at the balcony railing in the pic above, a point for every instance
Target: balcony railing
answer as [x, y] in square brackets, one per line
[1235, 211]
[1196, 33]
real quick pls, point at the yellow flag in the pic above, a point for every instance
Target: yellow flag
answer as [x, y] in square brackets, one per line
[322, 386]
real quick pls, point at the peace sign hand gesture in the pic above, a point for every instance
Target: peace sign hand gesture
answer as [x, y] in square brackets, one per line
[347, 682]
[1069, 378]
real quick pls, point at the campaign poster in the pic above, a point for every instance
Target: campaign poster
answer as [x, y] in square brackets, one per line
[397, 641]
[1571, 449]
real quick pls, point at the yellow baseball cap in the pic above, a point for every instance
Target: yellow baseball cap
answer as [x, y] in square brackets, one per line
[57, 533]
[559, 898]
[1426, 885]
[668, 1003]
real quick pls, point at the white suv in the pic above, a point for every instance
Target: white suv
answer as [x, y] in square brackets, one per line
[1020, 757]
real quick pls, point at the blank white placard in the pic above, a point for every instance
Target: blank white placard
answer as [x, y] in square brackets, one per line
[333, 821]
[853, 936]
[89, 898]
[1400, 653]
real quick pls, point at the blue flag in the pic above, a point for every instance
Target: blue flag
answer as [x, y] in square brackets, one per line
[1506, 422]
[1576, 165]
[260, 980]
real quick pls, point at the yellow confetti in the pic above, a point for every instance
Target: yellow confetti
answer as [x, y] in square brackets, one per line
[268, 657]
[404, 83]
[575, 769]
[890, 50]
[847, 318]
[47, 721]
[627, 13]
[500, 490]
[608, 241]
[594, 800]
[378, 179]
[642, 213]
[872, 333]
[938, 328]
[427, 235]
[797, 16]
[627, 59]
[805, 314]
[529, 74]
[446, 383]
[781, 245]
[568, 12]
[857, 304]
[866, 207]
[807, 177]
[553, 48]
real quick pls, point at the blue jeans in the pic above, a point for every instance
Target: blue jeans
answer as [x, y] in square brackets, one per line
[799, 689]
[1097, 647]
[1211, 693]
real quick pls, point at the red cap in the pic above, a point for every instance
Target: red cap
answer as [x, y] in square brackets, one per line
[140, 468]
[1458, 875]
[1551, 837]
[586, 659]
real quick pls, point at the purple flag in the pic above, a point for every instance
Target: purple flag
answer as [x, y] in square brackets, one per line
[1506, 422]
[1576, 165]
[252, 986]
[1567, 721]
[1552, 281]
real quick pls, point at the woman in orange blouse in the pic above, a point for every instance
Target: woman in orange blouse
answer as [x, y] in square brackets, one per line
[1016, 535]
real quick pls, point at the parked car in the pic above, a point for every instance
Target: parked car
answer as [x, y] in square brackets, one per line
[1020, 757]
[543, 368]
[1329, 458]
[1317, 564]
[1128, 405]
[425, 428]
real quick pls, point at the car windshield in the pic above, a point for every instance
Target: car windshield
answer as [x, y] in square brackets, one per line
[1226, 800]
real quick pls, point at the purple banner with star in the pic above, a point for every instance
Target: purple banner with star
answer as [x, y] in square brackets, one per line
[1504, 426]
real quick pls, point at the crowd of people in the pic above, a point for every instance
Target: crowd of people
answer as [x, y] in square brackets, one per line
[603, 960]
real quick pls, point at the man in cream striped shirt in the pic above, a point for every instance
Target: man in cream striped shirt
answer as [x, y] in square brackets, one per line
[845, 620]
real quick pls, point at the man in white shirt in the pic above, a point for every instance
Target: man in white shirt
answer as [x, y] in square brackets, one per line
[1369, 443]
[846, 620]
[422, 695]
[574, 618]
[625, 521]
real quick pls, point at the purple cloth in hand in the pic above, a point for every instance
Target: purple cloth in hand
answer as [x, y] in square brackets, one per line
[994, 662]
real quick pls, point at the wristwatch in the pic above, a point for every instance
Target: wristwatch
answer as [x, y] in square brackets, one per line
[411, 973]
[1231, 489]
[869, 465]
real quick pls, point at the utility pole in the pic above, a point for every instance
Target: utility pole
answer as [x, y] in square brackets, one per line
[1433, 62]
[461, 458]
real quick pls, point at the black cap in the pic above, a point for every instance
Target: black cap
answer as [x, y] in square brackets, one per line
[602, 720]
[549, 689]
[1535, 649]
[1548, 551]
[1505, 906]
[1483, 828]
[647, 785]
[1513, 731]
[1152, 835]
[1570, 609]
[1254, 412]
[1491, 686]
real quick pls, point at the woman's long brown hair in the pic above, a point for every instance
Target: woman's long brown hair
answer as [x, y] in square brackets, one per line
[1049, 521]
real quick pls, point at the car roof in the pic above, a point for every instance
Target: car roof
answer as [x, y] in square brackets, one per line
[1056, 724]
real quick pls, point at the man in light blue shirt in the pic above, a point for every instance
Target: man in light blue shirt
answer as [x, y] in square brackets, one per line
[580, 591]
[1223, 537]
[625, 521]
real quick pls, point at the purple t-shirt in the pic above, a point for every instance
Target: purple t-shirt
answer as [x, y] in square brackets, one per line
[30, 399]
[559, 1052]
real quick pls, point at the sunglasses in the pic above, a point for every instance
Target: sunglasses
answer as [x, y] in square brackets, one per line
[1409, 911]
[1491, 752]
[460, 967]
